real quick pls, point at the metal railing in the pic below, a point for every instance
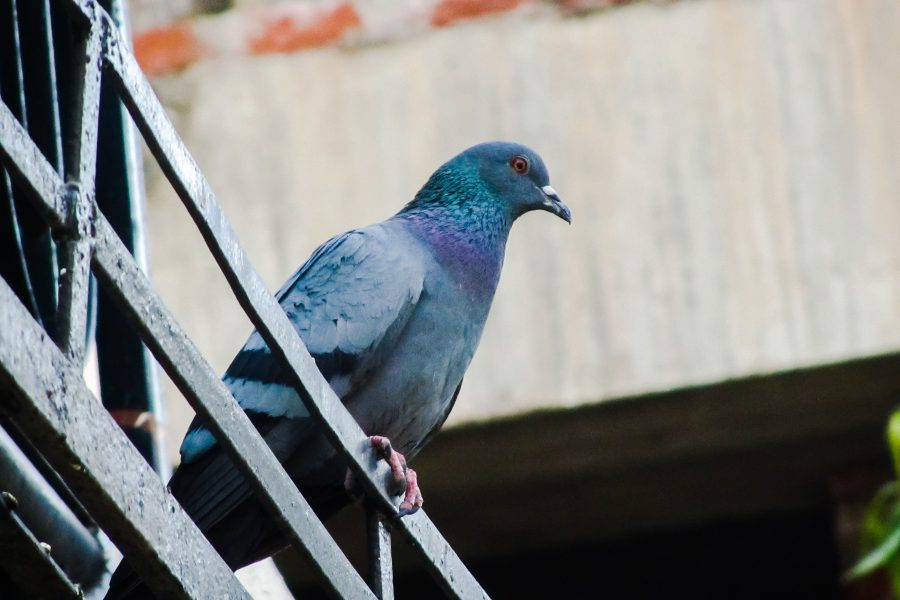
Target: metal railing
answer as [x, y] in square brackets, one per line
[51, 404]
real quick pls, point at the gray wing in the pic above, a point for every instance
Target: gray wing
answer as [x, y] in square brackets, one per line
[349, 302]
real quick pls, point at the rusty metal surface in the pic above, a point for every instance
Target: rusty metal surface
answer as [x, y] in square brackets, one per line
[48, 400]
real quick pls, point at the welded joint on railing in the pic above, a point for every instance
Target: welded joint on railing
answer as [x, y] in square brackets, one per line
[76, 245]
[81, 211]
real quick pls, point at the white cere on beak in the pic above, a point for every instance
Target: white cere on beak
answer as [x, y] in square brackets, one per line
[551, 196]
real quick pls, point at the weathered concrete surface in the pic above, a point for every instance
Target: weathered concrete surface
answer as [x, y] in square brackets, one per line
[731, 166]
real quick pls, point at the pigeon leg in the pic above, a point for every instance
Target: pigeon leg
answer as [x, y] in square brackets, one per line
[404, 477]
[396, 461]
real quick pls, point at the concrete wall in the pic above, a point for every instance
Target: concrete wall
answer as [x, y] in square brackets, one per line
[732, 166]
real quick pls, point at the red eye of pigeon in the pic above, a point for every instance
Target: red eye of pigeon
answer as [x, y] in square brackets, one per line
[519, 164]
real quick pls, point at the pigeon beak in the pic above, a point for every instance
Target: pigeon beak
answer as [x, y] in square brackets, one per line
[552, 203]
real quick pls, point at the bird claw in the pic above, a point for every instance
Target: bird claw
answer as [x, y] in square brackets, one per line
[405, 479]
[412, 500]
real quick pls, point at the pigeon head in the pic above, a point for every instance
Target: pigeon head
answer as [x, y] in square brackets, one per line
[516, 176]
[503, 179]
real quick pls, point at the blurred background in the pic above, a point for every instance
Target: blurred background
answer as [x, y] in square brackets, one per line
[685, 393]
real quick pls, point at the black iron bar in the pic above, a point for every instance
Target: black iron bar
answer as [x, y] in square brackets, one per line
[273, 325]
[32, 242]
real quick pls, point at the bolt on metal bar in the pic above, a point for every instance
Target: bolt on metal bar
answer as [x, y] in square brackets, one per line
[49, 401]
[381, 567]
[116, 268]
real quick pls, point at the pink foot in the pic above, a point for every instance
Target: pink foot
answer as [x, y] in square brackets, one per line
[404, 477]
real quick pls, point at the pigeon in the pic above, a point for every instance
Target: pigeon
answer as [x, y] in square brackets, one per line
[392, 314]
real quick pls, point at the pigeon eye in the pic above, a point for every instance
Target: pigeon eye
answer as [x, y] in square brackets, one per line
[519, 164]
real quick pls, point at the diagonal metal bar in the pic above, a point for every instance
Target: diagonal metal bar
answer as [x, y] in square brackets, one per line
[124, 280]
[49, 401]
[128, 373]
[28, 166]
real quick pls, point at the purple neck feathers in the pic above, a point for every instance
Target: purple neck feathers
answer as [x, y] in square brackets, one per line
[471, 245]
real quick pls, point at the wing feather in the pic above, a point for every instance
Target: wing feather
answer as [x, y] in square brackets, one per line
[349, 317]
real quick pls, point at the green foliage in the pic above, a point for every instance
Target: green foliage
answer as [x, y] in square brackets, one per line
[881, 526]
[881, 532]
